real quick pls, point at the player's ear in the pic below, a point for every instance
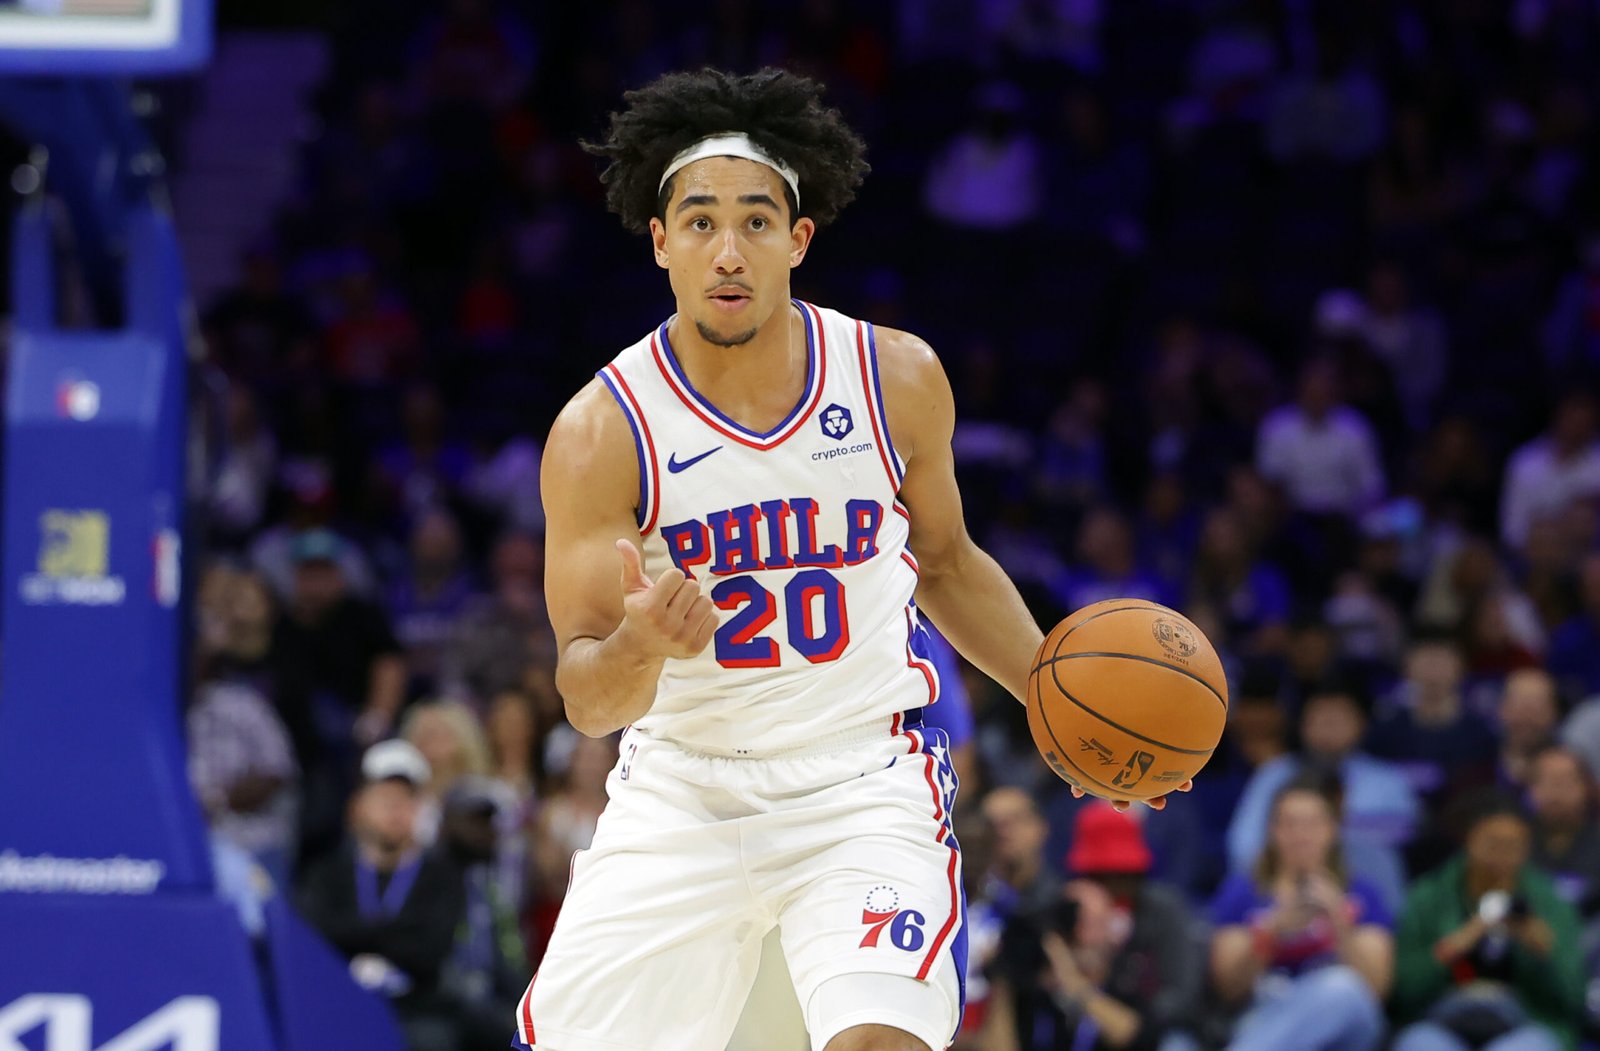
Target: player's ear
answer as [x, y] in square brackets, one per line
[800, 240]
[658, 239]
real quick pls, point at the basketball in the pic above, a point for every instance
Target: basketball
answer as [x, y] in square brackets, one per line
[1127, 699]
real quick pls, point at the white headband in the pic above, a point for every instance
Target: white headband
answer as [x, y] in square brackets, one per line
[731, 144]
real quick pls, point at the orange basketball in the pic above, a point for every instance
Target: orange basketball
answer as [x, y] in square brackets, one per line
[1127, 699]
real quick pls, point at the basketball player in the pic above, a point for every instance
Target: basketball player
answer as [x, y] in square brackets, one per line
[772, 482]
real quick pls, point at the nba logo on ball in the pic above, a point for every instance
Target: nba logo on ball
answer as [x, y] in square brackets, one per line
[1174, 637]
[836, 422]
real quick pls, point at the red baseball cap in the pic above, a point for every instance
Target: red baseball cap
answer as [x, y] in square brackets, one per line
[1107, 841]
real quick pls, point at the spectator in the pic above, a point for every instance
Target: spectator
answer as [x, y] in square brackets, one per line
[374, 342]
[1169, 529]
[1257, 732]
[1015, 878]
[502, 633]
[243, 771]
[1106, 567]
[1303, 951]
[1566, 845]
[1529, 715]
[1379, 810]
[427, 601]
[1488, 952]
[1497, 637]
[1071, 471]
[1410, 339]
[1575, 645]
[1019, 879]
[988, 176]
[387, 904]
[237, 500]
[1113, 963]
[241, 760]
[310, 486]
[1333, 112]
[451, 739]
[1313, 658]
[1566, 831]
[506, 485]
[254, 328]
[426, 469]
[1571, 331]
[1560, 466]
[566, 822]
[1322, 452]
[487, 969]
[1443, 747]
[512, 732]
[1249, 597]
[341, 678]
[1580, 731]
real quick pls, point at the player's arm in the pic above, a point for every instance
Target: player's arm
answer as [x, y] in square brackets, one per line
[963, 590]
[612, 639]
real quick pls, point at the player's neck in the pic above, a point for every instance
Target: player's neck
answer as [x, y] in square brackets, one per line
[756, 383]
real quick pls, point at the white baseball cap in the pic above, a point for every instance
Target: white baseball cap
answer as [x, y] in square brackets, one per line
[387, 760]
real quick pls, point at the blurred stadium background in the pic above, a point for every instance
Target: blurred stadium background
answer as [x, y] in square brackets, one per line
[1282, 312]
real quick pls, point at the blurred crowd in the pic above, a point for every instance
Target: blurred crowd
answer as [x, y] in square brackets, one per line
[1285, 313]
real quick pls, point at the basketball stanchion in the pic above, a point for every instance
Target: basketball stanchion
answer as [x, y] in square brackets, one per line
[113, 930]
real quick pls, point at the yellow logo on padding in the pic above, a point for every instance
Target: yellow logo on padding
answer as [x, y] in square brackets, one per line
[74, 562]
[74, 543]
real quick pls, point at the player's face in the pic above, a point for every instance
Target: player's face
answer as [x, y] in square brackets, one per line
[728, 245]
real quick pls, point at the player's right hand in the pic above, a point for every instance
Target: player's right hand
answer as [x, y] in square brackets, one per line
[668, 618]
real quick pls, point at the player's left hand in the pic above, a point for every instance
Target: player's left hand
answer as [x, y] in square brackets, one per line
[1157, 803]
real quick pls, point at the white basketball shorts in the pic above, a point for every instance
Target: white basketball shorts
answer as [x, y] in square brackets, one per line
[845, 846]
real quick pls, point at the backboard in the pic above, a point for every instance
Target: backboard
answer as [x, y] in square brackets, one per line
[103, 37]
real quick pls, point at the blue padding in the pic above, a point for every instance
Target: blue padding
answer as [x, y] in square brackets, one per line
[112, 963]
[319, 1006]
[94, 793]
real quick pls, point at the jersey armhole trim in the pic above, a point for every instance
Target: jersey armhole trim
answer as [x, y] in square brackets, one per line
[867, 351]
[643, 445]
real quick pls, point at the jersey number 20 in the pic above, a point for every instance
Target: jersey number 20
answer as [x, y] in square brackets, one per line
[740, 642]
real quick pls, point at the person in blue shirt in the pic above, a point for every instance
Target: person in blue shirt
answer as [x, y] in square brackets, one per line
[1247, 596]
[1107, 565]
[1380, 810]
[1444, 748]
[1303, 951]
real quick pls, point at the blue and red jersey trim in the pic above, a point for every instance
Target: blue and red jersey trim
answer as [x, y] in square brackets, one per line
[909, 727]
[867, 353]
[711, 416]
[644, 445]
[921, 662]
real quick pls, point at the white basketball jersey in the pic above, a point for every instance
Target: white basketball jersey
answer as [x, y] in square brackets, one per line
[798, 537]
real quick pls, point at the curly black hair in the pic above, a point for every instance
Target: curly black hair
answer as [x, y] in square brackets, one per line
[781, 112]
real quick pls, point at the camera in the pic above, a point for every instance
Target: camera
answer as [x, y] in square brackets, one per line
[1498, 906]
[1063, 919]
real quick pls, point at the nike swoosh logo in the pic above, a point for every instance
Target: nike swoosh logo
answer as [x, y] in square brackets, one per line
[675, 465]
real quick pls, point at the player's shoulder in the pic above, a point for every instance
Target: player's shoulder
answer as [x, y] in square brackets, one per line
[905, 360]
[916, 393]
[591, 437]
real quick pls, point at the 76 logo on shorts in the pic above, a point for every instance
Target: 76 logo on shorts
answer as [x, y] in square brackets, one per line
[883, 910]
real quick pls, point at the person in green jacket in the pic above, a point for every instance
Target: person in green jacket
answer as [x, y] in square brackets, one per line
[1487, 953]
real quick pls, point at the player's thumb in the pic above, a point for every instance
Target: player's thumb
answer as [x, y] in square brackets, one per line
[633, 578]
